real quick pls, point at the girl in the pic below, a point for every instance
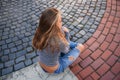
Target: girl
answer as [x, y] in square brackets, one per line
[56, 51]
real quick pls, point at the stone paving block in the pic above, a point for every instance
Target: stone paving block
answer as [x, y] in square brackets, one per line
[82, 32]
[21, 53]
[5, 33]
[71, 27]
[30, 55]
[7, 70]
[7, 51]
[4, 58]
[94, 26]
[75, 23]
[29, 49]
[96, 23]
[91, 30]
[75, 30]
[28, 62]
[27, 34]
[11, 35]
[78, 35]
[10, 45]
[4, 46]
[19, 47]
[85, 37]
[19, 66]
[22, 58]
[12, 56]
[9, 63]
[87, 26]
[79, 26]
[25, 39]
[1, 65]
[72, 33]
[36, 59]
[74, 38]
[0, 74]
[21, 36]
[14, 49]
[80, 40]
[25, 44]
[8, 40]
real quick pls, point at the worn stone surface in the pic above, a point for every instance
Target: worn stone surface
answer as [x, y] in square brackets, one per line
[35, 72]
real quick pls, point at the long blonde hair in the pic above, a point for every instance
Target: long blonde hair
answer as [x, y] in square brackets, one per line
[48, 29]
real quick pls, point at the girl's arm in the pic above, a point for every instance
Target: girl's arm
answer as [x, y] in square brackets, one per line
[67, 35]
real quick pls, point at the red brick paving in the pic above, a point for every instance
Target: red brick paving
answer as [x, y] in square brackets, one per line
[99, 61]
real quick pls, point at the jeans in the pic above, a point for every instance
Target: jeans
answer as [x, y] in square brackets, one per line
[64, 61]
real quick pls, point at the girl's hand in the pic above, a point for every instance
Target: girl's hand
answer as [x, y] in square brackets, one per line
[65, 29]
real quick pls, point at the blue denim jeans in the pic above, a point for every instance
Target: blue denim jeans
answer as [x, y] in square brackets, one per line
[64, 61]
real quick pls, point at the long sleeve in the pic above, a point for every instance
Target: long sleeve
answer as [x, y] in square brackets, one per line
[63, 48]
[71, 43]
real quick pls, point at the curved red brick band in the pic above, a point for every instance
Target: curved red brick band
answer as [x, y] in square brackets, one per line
[101, 58]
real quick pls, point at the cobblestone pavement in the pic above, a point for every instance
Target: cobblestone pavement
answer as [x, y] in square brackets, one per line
[101, 58]
[35, 72]
[19, 18]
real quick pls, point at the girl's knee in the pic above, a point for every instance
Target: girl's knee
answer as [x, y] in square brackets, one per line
[71, 58]
[82, 47]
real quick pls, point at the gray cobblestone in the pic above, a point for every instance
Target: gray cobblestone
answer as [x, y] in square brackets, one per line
[71, 27]
[10, 45]
[7, 51]
[0, 73]
[8, 40]
[94, 26]
[9, 63]
[18, 42]
[82, 32]
[81, 40]
[12, 56]
[21, 36]
[28, 62]
[1, 65]
[7, 70]
[91, 30]
[22, 58]
[4, 46]
[75, 30]
[78, 35]
[19, 66]
[19, 47]
[85, 37]
[21, 53]
[74, 38]
[13, 49]
[25, 45]
[87, 26]
[4, 58]
[29, 49]
[30, 55]
[36, 59]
